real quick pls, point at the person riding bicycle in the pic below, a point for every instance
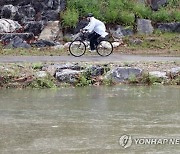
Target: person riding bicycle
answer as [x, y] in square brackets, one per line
[96, 28]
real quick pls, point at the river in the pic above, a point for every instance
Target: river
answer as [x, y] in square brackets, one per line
[89, 119]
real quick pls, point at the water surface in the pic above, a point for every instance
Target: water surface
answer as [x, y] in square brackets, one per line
[88, 120]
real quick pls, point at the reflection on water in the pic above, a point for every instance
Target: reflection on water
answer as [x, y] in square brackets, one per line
[88, 120]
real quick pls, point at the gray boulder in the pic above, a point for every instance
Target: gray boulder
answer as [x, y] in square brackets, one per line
[52, 69]
[9, 11]
[17, 42]
[144, 26]
[68, 76]
[9, 26]
[69, 66]
[51, 31]
[121, 74]
[158, 74]
[50, 15]
[7, 37]
[169, 27]
[156, 4]
[44, 43]
[175, 72]
[118, 32]
[27, 10]
[97, 70]
[34, 27]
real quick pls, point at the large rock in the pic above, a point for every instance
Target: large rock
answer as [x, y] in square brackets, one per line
[27, 10]
[69, 66]
[175, 72]
[68, 76]
[13, 2]
[97, 70]
[50, 15]
[45, 43]
[34, 27]
[52, 69]
[17, 42]
[51, 31]
[121, 74]
[118, 32]
[156, 4]
[8, 26]
[169, 27]
[158, 74]
[144, 26]
[9, 11]
[7, 37]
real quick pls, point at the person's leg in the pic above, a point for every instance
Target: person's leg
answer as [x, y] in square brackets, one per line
[93, 40]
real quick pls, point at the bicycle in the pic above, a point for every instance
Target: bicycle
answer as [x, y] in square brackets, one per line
[78, 47]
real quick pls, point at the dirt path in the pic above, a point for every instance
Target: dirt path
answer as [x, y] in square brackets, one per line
[92, 58]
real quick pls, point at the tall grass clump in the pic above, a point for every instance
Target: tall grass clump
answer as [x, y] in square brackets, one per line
[126, 18]
[70, 18]
[142, 11]
[161, 16]
[176, 15]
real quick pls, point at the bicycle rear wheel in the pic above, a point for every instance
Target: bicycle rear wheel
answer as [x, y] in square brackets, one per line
[104, 48]
[77, 48]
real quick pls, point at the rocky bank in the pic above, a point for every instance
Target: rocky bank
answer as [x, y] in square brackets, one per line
[51, 75]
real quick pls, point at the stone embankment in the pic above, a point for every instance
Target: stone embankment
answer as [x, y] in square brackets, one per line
[51, 75]
[32, 23]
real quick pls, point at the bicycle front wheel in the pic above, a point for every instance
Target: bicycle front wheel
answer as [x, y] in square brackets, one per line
[104, 48]
[77, 48]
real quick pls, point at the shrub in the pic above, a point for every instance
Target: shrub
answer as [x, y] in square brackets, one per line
[174, 3]
[161, 16]
[43, 83]
[141, 10]
[126, 18]
[70, 18]
[176, 16]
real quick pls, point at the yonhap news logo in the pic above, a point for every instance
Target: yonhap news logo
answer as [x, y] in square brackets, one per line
[127, 140]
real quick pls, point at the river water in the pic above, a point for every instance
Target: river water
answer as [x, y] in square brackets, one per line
[89, 120]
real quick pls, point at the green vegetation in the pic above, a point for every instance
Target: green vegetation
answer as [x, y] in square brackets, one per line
[145, 79]
[33, 52]
[83, 81]
[70, 17]
[157, 43]
[37, 66]
[43, 83]
[118, 11]
[133, 79]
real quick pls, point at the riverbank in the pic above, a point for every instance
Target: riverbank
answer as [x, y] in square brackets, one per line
[158, 44]
[56, 74]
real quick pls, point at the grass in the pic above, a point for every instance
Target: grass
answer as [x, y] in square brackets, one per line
[43, 83]
[34, 52]
[158, 43]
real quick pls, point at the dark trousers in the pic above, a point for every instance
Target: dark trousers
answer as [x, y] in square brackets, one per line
[93, 40]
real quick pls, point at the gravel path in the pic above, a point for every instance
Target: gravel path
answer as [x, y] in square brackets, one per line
[92, 58]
